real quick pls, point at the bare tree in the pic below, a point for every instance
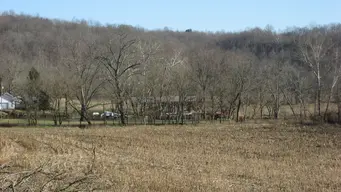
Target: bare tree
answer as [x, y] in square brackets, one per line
[313, 48]
[240, 79]
[56, 88]
[11, 67]
[336, 67]
[220, 87]
[29, 88]
[261, 92]
[85, 78]
[182, 87]
[161, 93]
[274, 82]
[295, 90]
[150, 71]
[201, 62]
[122, 59]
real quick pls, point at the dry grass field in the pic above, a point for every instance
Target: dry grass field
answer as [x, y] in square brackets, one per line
[228, 157]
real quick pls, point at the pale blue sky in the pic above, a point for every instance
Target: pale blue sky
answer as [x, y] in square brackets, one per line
[213, 15]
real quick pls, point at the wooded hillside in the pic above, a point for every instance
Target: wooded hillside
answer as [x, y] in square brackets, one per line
[82, 61]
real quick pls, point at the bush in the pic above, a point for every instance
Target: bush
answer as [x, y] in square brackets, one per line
[16, 114]
[3, 114]
[316, 118]
[329, 117]
[332, 118]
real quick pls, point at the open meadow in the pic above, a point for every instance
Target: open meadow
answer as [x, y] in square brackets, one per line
[266, 156]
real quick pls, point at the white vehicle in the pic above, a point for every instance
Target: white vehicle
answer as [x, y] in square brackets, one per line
[109, 114]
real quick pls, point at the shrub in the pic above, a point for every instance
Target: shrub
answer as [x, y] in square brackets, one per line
[3, 114]
[329, 117]
[16, 114]
[332, 118]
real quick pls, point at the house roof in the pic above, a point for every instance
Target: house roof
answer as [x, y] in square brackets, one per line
[8, 97]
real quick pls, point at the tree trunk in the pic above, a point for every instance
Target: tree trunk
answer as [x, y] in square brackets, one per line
[261, 106]
[335, 81]
[254, 111]
[238, 108]
[60, 118]
[66, 108]
[112, 109]
[275, 109]
[327, 107]
[290, 105]
[232, 104]
[134, 106]
[204, 102]
[246, 106]
[55, 114]
[339, 112]
[182, 113]
[178, 112]
[212, 106]
[319, 94]
[204, 108]
[337, 100]
[35, 117]
[269, 108]
[221, 114]
[105, 117]
[221, 108]
[84, 116]
[121, 110]
[82, 113]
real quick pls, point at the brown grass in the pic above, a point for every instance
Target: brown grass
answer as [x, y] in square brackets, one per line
[243, 157]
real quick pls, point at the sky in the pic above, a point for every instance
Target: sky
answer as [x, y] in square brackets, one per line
[198, 15]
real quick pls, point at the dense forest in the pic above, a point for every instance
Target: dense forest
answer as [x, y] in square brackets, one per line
[80, 61]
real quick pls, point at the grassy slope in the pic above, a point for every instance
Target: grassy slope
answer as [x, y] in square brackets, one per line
[203, 158]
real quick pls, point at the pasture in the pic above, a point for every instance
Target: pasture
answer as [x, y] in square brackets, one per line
[267, 156]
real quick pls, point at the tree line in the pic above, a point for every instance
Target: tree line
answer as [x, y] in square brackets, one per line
[258, 70]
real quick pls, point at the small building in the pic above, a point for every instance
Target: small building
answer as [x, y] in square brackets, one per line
[7, 101]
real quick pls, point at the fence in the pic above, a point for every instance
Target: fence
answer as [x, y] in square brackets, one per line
[46, 120]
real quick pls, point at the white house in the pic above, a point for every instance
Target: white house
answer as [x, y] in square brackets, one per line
[7, 101]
